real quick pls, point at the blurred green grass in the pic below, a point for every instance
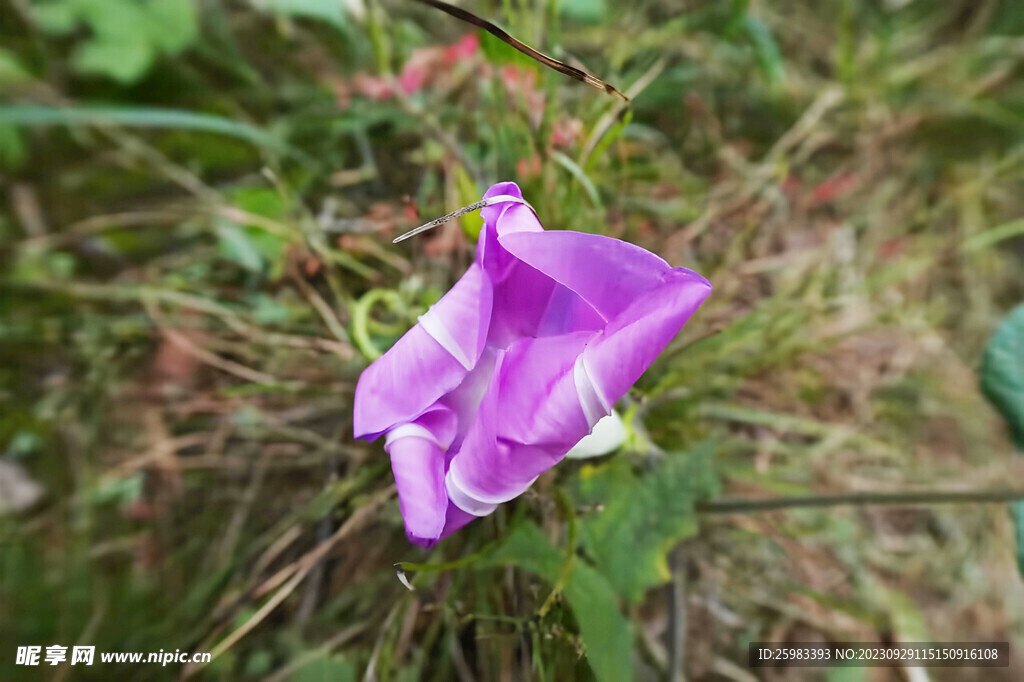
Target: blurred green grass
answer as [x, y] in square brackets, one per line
[196, 258]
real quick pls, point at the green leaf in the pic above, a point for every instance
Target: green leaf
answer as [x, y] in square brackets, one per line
[13, 150]
[55, 17]
[328, 11]
[1002, 380]
[235, 244]
[273, 248]
[1002, 372]
[124, 62]
[11, 70]
[767, 50]
[472, 222]
[904, 616]
[114, 20]
[604, 630]
[642, 518]
[259, 664]
[587, 11]
[124, 37]
[581, 177]
[268, 310]
[260, 201]
[173, 24]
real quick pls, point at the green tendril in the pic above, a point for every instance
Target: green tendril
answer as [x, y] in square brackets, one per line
[362, 323]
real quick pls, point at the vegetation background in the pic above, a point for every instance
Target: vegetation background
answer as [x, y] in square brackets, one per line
[195, 246]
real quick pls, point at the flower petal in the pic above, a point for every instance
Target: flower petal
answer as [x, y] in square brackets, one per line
[536, 392]
[429, 361]
[626, 348]
[464, 401]
[399, 385]
[565, 312]
[418, 464]
[459, 321]
[504, 217]
[477, 484]
[509, 216]
[520, 298]
[529, 418]
[527, 302]
[609, 274]
[454, 520]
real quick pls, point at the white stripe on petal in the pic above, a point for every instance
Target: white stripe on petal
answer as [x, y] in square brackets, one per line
[464, 500]
[407, 430]
[437, 330]
[594, 406]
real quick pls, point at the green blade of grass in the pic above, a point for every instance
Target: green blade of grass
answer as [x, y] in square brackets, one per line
[991, 237]
[140, 117]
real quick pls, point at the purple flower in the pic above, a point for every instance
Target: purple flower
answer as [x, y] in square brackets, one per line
[516, 364]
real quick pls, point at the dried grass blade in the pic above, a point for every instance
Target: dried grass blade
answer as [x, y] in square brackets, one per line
[503, 36]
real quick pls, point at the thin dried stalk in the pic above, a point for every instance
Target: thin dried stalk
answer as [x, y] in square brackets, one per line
[530, 52]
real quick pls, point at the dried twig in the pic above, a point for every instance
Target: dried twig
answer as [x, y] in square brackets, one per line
[205, 356]
[861, 500]
[530, 52]
[458, 213]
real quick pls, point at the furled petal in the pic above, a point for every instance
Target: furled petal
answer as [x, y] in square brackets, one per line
[417, 461]
[464, 401]
[504, 217]
[626, 348]
[565, 312]
[428, 362]
[521, 296]
[609, 274]
[527, 302]
[509, 216]
[529, 418]
[536, 390]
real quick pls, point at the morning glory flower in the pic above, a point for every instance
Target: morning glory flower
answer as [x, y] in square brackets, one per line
[517, 364]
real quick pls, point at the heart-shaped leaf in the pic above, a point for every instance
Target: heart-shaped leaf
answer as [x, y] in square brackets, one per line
[1002, 372]
[604, 630]
[642, 517]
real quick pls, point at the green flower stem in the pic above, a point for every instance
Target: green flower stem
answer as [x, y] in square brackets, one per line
[565, 572]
